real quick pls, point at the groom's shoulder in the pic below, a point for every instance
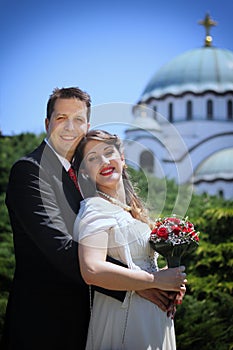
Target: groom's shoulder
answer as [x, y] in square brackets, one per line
[33, 156]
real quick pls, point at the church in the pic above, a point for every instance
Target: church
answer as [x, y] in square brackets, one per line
[182, 126]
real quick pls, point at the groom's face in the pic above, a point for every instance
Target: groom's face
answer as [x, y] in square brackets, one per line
[67, 126]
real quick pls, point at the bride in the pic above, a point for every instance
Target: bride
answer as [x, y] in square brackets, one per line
[112, 221]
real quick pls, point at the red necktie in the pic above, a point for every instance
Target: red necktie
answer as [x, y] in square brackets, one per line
[73, 177]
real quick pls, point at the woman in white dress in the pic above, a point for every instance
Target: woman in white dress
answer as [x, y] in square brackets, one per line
[112, 221]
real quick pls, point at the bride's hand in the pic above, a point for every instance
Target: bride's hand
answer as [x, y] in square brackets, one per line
[170, 279]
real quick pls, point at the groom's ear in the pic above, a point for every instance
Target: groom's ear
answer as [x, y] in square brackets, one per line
[46, 122]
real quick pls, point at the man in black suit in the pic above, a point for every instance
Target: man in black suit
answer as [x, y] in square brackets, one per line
[48, 306]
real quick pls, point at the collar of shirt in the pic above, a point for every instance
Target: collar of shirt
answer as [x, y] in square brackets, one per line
[66, 164]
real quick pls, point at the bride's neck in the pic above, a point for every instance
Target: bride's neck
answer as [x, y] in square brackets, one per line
[117, 193]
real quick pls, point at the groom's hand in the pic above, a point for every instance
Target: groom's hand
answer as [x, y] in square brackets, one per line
[161, 298]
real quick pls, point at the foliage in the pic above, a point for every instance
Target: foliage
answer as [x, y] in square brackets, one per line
[204, 319]
[204, 324]
[11, 148]
[208, 305]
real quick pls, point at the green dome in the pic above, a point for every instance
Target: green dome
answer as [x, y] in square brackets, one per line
[219, 164]
[197, 71]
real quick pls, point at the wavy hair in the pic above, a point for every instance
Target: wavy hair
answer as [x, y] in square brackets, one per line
[88, 188]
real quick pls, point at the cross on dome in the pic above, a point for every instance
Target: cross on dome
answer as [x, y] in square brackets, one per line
[208, 22]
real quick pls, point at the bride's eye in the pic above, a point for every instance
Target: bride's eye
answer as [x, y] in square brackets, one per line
[109, 153]
[92, 158]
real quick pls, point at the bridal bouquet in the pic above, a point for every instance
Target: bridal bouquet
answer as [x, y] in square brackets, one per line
[174, 237]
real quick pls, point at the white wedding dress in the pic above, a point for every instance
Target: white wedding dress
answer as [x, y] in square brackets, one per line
[136, 323]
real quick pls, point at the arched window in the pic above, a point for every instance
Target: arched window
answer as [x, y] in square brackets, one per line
[147, 161]
[155, 111]
[170, 112]
[189, 110]
[229, 110]
[209, 109]
[221, 193]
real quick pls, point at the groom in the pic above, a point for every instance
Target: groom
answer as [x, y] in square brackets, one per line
[48, 306]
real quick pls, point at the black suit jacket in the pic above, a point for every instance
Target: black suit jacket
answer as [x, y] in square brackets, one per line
[48, 307]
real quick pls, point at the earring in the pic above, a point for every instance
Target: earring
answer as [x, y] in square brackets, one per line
[125, 166]
[85, 176]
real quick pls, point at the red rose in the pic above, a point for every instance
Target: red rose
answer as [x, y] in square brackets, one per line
[189, 224]
[158, 223]
[195, 236]
[176, 230]
[187, 229]
[174, 220]
[154, 231]
[162, 232]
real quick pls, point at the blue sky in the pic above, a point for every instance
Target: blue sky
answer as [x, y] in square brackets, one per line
[110, 49]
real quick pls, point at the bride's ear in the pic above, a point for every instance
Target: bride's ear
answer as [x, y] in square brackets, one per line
[123, 161]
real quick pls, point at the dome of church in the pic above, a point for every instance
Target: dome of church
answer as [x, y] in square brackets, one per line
[218, 165]
[190, 97]
[196, 71]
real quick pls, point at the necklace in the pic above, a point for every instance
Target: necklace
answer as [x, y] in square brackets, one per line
[115, 201]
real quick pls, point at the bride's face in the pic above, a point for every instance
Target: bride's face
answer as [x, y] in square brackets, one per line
[103, 164]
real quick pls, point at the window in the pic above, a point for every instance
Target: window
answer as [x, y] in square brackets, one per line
[147, 161]
[155, 112]
[170, 112]
[221, 193]
[209, 109]
[189, 110]
[229, 110]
